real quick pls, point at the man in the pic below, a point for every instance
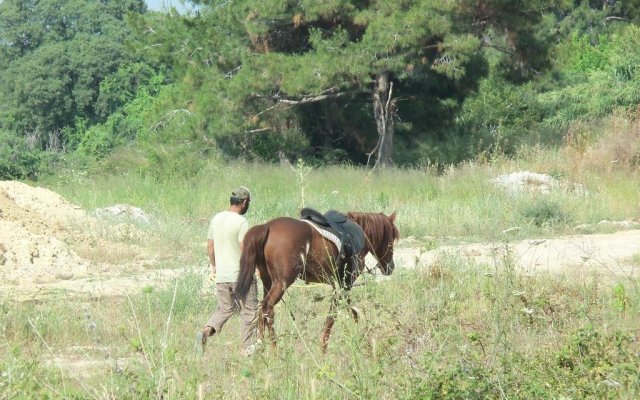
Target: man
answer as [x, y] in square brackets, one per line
[224, 247]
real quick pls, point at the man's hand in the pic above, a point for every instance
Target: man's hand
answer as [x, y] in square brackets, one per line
[212, 276]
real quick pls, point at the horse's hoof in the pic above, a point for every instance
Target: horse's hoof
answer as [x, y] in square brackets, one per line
[250, 350]
[323, 347]
[357, 313]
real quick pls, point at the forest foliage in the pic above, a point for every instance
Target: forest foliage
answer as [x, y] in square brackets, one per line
[376, 83]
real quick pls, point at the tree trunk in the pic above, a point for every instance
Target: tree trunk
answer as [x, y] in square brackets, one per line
[384, 112]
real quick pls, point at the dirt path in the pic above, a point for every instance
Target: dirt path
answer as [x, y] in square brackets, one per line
[615, 254]
[94, 287]
[609, 255]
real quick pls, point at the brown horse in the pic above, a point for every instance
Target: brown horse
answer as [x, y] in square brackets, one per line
[285, 249]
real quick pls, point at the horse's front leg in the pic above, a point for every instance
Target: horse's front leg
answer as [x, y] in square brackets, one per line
[331, 318]
[357, 264]
[355, 311]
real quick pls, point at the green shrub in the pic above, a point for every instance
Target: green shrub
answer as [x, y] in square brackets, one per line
[545, 213]
[17, 161]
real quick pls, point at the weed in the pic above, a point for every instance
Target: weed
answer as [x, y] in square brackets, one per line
[545, 213]
[451, 330]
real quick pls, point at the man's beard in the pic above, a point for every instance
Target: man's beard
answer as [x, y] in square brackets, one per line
[244, 209]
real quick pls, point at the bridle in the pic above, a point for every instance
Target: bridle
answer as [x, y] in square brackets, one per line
[372, 251]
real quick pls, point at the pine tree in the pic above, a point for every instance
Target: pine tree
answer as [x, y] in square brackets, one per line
[284, 54]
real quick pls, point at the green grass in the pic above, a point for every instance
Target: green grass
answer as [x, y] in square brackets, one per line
[448, 330]
[459, 204]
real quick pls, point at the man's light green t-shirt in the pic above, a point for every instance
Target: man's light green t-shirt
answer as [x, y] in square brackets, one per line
[227, 229]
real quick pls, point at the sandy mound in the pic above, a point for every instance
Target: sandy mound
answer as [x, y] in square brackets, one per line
[45, 238]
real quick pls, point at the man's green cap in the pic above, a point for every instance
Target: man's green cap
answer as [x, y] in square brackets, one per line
[241, 193]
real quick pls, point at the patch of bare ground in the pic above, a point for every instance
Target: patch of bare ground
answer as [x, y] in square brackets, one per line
[610, 254]
[82, 362]
[46, 242]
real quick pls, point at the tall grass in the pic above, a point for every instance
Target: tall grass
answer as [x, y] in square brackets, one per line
[445, 330]
[460, 203]
[451, 330]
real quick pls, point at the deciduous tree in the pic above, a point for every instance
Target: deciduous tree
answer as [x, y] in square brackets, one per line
[55, 54]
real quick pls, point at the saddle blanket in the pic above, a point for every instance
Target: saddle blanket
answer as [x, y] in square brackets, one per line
[326, 234]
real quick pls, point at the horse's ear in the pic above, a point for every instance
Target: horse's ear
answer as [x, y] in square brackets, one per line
[392, 217]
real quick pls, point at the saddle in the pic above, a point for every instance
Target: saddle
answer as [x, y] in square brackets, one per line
[350, 234]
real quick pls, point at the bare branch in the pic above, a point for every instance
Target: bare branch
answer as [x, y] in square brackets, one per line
[502, 49]
[269, 109]
[257, 130]
[373, 150]
[389, 97]
[168, 117]
[306, 99]
[312, 99]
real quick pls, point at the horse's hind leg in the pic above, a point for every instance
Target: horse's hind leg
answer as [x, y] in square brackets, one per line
[268, 314]
[266, 288]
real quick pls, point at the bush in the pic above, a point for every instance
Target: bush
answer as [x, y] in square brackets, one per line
[545, 213]
[617, 148]
[18, 161]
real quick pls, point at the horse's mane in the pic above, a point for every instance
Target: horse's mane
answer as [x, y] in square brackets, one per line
[374, 225]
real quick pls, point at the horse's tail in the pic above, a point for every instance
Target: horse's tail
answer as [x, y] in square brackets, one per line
[252, 255]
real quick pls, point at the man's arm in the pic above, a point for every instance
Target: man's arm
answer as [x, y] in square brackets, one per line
[212, 255]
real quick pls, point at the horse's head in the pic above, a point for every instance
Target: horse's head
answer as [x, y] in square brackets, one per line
[384, 251]
[381, 233]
